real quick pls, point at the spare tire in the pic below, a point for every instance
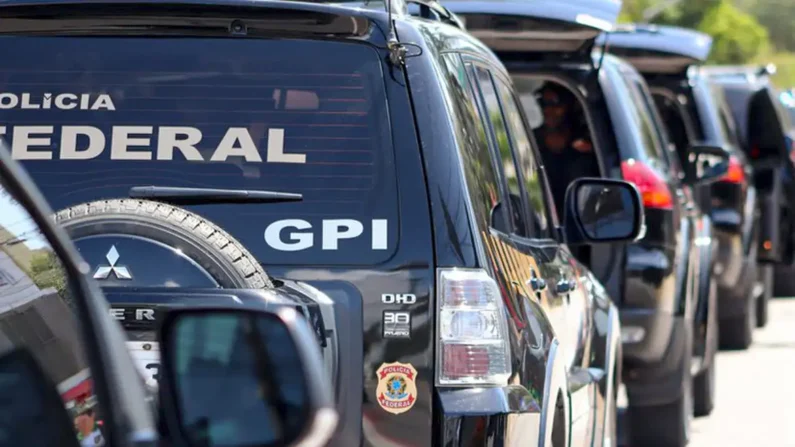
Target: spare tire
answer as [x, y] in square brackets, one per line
[221, 255]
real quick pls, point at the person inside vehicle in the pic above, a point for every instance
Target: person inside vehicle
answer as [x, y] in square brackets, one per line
[566, 147]
[564, 140]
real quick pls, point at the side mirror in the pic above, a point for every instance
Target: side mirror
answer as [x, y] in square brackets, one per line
[705, 164]
[242, 377]
[603, 210]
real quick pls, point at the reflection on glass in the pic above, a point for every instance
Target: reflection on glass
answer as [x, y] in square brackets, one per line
[526, 159]
[606, 212]
[238, 380]
[36, 317]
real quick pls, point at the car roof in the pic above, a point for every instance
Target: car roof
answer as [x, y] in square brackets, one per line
[670, 40]
[598, 14]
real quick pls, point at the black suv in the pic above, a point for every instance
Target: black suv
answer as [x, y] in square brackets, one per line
[766, 136]
[695, 111]
[375, 169]
[600, 121]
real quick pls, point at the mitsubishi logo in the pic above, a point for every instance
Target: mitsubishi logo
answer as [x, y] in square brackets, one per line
[103, 271]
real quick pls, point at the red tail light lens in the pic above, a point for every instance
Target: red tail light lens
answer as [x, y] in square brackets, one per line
[736, 173]
[652, 186]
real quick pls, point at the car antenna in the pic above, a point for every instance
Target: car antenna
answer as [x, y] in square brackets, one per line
[397, 52]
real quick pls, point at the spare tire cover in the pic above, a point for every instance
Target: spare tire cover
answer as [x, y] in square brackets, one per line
[152, 226]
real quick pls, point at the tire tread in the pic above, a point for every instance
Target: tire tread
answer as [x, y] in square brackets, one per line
[232, 250]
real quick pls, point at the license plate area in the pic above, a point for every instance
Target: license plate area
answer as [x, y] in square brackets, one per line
[146, 355]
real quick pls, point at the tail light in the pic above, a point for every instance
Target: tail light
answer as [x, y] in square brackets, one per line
[736, 173]
[653, 188]
[473, 346]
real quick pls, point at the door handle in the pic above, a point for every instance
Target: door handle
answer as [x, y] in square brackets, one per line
[538, 284]
[565, 286]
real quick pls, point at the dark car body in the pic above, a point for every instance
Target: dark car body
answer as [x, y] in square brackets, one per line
[654, 281]
[400, 178]
[766, 135]
[695, 112]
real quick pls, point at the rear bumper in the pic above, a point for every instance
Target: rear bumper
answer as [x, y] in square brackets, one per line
[735, 272]
[505, 416]
[655, 365]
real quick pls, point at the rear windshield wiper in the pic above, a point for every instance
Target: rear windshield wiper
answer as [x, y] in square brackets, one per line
[199, 196]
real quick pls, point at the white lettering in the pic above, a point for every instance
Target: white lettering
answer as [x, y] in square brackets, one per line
[144, 314]
[276, 149]
[121, 141]
[8, 101]
[117, 313]
[60, 101]
[63, 101]
[379, 234]
[26, 104]
[167, 141]
[22, 140]
[398, 298]
[136, 143]
[237, 142]
[69, 135]
[302, 241]
[103, 102]
[332, 233]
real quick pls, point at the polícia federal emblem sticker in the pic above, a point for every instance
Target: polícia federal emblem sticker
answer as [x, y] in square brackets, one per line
[397, 389]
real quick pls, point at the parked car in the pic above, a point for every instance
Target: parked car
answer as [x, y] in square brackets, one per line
[766, 136]
[64, 361]
[600, 121]
[695, 112]
[784, 280]
[386, 187]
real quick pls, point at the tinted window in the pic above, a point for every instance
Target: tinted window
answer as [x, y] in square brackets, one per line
[502, 140]
[307, 117]
[40, 342]
[526, 159]
[633, 111]
[480, 176]
[652, 136]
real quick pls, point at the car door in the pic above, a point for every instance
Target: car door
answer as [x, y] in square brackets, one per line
[667, 158]
[531, 235]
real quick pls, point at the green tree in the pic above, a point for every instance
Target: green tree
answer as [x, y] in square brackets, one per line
[737, 36]
[46, 271]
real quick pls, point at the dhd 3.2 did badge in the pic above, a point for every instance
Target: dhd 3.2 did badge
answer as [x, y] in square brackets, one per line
[397, 388]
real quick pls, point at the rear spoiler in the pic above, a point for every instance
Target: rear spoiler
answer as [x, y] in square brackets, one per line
[657, 49]
[222, 18]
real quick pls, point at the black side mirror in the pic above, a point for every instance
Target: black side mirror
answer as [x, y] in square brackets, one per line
[241, 377]
[603, 210]
[705, 164]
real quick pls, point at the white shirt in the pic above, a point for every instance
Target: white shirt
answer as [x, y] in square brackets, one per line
[95, 439]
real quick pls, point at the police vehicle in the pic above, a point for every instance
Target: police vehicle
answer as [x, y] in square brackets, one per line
[370, 161]
[696, 111]
[661, 283]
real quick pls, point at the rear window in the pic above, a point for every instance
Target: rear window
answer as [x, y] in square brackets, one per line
[93, 117]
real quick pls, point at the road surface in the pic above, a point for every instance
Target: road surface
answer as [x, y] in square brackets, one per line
[755, 404]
